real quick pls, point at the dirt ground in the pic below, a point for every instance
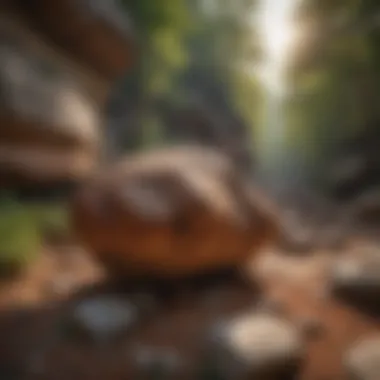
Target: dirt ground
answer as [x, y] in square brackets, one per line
[32, 345]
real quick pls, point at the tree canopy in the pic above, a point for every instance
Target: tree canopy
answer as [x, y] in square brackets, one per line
[208, 50]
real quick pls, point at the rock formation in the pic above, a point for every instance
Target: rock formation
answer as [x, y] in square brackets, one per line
[95, 33]
[54, 80]
[48, 127]
[172, 212]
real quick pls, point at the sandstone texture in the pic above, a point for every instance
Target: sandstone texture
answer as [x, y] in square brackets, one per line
[172, 212]
[49, 127]
[59, 61]
[95, 33]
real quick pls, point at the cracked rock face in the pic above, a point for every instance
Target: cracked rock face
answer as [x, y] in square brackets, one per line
[255, 345]
[362, 361]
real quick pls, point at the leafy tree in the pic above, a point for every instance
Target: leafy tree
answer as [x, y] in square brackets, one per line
[187, 50]
[337, 89]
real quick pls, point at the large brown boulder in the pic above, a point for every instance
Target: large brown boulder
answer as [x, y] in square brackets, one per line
[172, 212]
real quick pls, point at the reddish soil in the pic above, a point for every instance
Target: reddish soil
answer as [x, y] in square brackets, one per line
[31, 311]
[302, 285]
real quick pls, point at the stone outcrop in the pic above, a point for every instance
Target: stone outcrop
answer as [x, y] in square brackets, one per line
[96, 33]
[172, 212]
[53, 88]
[49, 126]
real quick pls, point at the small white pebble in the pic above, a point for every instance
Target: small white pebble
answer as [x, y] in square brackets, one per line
[362, 361]
[251, 343]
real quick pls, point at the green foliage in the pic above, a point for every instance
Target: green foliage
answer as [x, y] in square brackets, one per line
[19, 237]
[222, 47]
[21, 229]
[176, 39]
[153, 133]
[335, 95]
[338, 94]
[52, 216]
[163, 27]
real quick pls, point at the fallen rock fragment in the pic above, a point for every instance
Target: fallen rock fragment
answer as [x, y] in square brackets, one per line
[356, 277]
[104, 318]
[255, 345]
[171, 213]
[362, 361]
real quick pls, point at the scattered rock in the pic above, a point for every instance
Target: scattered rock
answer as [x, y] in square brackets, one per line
[171, 213]
[255, 345]
[104, 318]
[362, 361]
[357, 277]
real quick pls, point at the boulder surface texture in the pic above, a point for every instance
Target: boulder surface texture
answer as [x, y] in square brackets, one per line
[172, 212]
